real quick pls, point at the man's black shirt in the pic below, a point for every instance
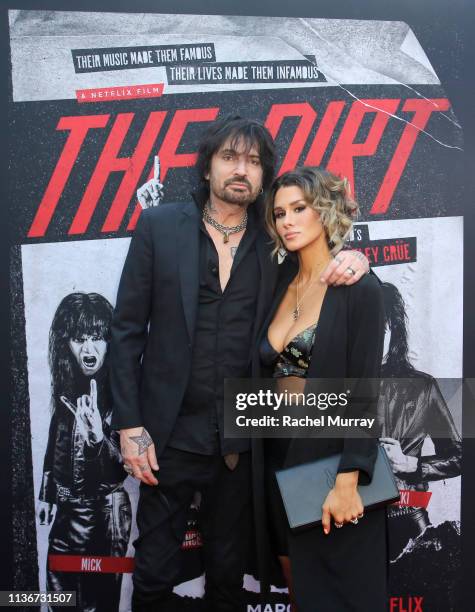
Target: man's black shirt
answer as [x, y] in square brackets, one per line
[222, 344]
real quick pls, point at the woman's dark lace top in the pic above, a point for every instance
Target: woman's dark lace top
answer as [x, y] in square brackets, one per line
[294, 359]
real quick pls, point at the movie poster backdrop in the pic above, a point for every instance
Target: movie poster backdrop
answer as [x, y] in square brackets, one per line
[94, 97]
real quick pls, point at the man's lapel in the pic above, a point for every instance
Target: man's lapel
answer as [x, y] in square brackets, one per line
[268, 280]
[188, 237]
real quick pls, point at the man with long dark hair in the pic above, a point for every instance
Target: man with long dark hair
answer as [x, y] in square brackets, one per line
[196, 285]
[83, 475]
[412, 409]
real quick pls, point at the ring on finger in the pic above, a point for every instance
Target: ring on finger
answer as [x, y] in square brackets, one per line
[128, 469]
[354, 521]
[338, 525]
[360, 516]
[350, 271]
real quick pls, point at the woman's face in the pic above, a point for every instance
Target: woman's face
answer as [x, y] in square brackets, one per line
[297, 223]
[90, 352]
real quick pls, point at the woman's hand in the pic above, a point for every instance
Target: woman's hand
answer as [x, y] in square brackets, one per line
[343, 502]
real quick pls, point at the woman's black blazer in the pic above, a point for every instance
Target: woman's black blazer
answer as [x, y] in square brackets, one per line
[348, 344]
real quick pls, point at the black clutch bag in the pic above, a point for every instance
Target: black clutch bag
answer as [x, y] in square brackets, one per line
[305, 487]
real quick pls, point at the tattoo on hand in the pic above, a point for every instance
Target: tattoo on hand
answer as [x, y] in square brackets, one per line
[233, 251]
[143, 441]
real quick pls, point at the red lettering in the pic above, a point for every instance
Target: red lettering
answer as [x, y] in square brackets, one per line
[169, 158]
[392, 604]
[274, 120]
[133, 170]
[396, 252]
[79, 127]
[371, 253]
[423, 110]
[324, 133]
[418, 601]
[110, 162]
[341, 160]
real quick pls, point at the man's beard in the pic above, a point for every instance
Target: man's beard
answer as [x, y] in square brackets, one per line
[231, 196]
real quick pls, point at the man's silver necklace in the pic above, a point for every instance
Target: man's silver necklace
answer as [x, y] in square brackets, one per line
[226, 230]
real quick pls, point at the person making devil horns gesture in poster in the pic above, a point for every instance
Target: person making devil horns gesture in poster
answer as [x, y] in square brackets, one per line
[83, 475]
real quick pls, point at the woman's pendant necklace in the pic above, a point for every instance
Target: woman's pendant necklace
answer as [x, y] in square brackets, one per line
[296, 310]
[298, 302]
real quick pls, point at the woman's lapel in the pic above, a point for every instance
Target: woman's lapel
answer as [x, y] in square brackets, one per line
[320, 365]
[325, 363]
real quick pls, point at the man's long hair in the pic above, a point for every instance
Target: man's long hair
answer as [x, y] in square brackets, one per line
[397, 360]
[77, 315]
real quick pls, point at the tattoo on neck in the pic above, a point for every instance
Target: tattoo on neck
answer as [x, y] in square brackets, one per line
[233, 251]
[143, 441]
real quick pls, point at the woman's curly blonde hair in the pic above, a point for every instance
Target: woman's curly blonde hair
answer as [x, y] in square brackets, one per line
[326, 193]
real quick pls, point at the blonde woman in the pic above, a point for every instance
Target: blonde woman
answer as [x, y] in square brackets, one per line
[315, 331]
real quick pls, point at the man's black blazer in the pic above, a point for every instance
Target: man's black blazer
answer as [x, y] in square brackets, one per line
[154, 319]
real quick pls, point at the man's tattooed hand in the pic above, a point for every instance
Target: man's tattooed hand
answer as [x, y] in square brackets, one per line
[138, 454]
[143, 441]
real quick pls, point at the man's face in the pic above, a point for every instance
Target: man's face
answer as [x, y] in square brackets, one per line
[235, 175]
[90, 352]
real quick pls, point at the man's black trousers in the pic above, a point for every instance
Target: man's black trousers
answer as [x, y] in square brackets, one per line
[162, 520]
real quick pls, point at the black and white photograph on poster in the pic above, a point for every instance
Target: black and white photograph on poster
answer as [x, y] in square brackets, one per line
[83, 474]
[84, 498]
[421, 408]
[85, 504]
[92, 111]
